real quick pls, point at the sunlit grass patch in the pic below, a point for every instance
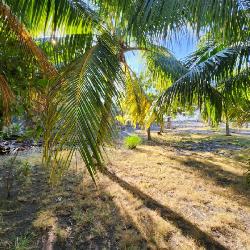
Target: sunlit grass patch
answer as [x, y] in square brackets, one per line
[188, 174]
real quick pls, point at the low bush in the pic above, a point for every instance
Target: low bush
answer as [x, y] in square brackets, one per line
[132, 141]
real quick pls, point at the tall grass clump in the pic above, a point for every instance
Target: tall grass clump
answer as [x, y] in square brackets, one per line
[132, 141]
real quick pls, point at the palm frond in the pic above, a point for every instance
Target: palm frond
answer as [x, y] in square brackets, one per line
[240, 113]
[135, 103]
[237, 84]
[51, 15]
[203, 52]
[212, 106]
[77, 107]
[163, 68]
[215, 73]
[159, 18]
[211, 48]
[63, 50]
[200, 76]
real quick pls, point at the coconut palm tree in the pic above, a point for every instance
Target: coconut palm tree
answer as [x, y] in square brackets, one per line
[87, 44]
[218, 76]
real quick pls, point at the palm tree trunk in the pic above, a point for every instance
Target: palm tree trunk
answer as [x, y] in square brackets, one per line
[227, 119]
[227, 124]
[227, 128]
[162, 127]
[149, 134]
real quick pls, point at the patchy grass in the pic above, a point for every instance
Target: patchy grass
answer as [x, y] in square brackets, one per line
[23, 242]
[179, 191]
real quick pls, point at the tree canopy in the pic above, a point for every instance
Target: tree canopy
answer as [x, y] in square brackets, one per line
[76, 49]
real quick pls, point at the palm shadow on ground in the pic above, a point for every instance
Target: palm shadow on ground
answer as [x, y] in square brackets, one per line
[226, 179]
[208, 143]
[204, 166]
[186, 227]
[77, 215]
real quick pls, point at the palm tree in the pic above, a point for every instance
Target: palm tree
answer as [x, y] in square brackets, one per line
[218, 75]
[88, 51]
[136, 103]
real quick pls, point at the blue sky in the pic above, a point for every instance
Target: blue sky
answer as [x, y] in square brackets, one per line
[181, 47]
[184, 45]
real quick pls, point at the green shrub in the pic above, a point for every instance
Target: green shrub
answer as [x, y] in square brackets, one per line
[132, 141]
[10, 131]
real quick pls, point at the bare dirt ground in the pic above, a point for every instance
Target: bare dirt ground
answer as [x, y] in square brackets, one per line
[183, 190]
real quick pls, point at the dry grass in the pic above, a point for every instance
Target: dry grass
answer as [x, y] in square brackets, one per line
[45, 220]
[206, 188]
[172, 193]
[158, 232]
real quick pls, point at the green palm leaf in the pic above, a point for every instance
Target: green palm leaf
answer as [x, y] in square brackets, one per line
[65, 49]
[197, 80]
[52, 15]
[135, 103]
[158, 18]
[163, 68]
[77, 108]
